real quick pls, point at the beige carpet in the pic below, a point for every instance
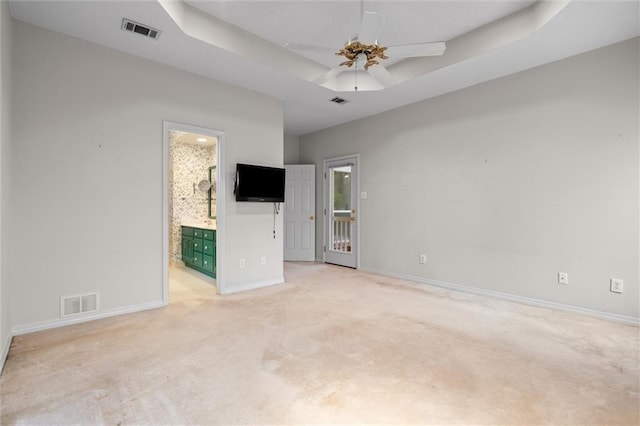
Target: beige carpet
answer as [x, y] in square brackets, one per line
[331, 346]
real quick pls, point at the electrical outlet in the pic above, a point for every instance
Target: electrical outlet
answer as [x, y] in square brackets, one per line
[563, 278]
[617, 285]
[423, 259]
[242, 263]
[263, 260]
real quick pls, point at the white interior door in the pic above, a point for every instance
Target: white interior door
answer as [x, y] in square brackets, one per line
[299, 212]
[341, 211]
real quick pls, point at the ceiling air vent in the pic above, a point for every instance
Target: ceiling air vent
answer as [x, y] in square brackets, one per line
[339, 101]
[138, 28]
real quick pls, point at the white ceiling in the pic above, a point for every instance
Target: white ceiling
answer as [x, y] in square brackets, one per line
[580, 26]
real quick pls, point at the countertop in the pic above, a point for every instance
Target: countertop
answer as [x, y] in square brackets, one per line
[199, 223]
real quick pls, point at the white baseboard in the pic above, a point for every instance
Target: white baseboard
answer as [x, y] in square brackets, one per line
[45, 325]
[252, 286]
[511, 297]
[5, 351]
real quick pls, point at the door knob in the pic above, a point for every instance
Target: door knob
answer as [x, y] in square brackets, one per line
[310, 217]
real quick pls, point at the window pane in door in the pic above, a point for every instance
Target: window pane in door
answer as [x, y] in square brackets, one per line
[341, 208]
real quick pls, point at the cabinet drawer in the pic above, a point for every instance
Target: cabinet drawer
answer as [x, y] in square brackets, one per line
[208, 247]
[187, 231]
[208, 234]
[196, 259]
[197, 233]
[197, 244]
[208, 263]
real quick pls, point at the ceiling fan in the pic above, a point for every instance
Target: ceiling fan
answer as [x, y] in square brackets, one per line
[362, 52]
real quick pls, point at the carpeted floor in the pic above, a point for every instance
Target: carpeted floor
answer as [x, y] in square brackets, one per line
[332, 345]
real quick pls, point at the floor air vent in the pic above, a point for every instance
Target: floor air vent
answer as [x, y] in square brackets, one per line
[339, 101]
[73, 305]
[138, 28]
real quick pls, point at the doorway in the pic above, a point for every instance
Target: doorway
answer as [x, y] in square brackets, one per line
[193, 198]
[341, 209]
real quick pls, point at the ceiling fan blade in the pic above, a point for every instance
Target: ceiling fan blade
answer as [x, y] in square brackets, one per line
[309, 48]
[416, 49]
[370, 27]
[328, 76]
[383, 75]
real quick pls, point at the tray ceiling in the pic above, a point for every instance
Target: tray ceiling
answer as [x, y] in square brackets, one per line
[577, 27]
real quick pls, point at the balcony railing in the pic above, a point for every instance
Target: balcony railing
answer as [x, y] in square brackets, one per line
[341, 231]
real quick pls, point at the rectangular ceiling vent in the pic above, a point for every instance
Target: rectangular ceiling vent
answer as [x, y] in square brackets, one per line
[339, 101]
[73, 305]
[138, 28]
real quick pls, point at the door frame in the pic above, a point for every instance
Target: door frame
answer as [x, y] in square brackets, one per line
[220, 202]
[355, 158]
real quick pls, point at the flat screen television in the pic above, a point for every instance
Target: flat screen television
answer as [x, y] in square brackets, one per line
[259, 183]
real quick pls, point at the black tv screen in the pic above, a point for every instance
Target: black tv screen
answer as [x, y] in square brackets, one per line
[259, 183]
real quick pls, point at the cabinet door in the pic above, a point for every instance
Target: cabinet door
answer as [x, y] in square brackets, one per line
[213, 258]
[196, 260]
[187, 249]
[208, 247]
[208, 263]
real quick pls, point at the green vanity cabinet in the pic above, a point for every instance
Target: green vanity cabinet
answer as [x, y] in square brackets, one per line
[199, 249]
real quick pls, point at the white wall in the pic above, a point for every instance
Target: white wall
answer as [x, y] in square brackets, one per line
[291, 149]
[5, 114]
[86, 197]
[506, 183]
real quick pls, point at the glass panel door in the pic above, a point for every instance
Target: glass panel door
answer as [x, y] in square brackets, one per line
[341, 213]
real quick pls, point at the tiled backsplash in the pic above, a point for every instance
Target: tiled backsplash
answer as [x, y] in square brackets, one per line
[188, 165]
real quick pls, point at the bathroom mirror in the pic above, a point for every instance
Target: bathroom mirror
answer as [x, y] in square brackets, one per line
[212, 191]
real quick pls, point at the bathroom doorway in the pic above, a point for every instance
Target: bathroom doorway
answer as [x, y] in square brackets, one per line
[192, 207]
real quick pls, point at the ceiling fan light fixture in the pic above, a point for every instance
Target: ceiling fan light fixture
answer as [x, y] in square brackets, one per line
[363, 53]
[355, 50]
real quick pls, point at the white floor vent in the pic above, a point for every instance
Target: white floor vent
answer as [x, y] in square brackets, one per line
[73, 305]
